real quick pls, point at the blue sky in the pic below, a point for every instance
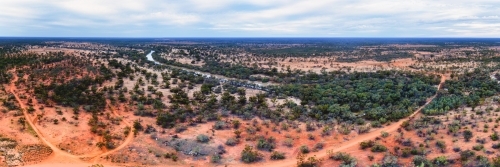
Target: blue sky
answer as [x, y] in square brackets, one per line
[250, 18]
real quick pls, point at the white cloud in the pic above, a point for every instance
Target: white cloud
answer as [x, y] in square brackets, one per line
[268, 18]
[166, 18]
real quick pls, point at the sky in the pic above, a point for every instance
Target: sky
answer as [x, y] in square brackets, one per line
[250, 18]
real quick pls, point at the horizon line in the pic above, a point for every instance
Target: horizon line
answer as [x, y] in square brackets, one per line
[250, 37]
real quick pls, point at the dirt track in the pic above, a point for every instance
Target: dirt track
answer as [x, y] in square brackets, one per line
[58, 153]
[127, 141]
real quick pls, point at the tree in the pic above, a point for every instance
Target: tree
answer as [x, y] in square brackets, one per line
[22, 122]
[441, 144]
[274, 100]
[237, 133]
[206, 88]
[159, 94]
[236, 124]
[467, 135]
[137, 127]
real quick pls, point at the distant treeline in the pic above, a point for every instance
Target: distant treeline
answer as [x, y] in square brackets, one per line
[378, 57]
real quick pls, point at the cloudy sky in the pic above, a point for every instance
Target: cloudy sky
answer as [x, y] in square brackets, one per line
[250, 18]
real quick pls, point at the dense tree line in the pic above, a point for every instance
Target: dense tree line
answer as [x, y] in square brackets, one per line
[469, 89]
[74, 93]
[11, 58]
[386, 95]
[377, 57]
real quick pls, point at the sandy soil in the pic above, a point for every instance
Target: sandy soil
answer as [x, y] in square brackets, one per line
[62, 156]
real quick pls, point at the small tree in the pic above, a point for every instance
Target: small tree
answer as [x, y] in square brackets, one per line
[274, 100]
[494, 136]
[441, 145]
[236, 124]
[137, 127]
[237, 133]
[22, 122]
[467, 135]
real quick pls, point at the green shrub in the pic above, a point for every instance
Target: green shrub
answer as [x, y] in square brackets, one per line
[319, 146]
[366, 144]
[494, 136]
[236, 124]
[266, 144]
[180, 128]
[347, 159]
[478, 147]
[421, 160]
[232, 141]
[441, 144]
[310, 162]
[248, 155]
[390, 161]
[219, 125]
[202, 138]
[277, 155]
[304, 149]
[466, 154]
[215, 158]
[379, 148]
[288, 142]
[384, 134]
[440, 161]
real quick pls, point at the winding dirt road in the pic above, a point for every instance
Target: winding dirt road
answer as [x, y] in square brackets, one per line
[128, 140]
[57, 151]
